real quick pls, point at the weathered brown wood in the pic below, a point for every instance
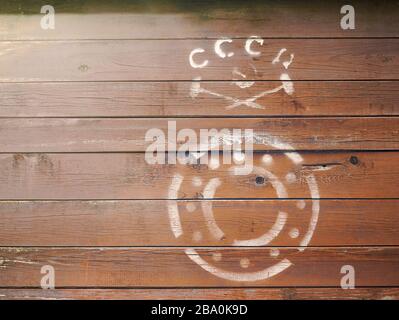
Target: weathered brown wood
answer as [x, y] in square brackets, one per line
[315, 59]
[181, 19]
[128, 176]
[116, 135]
[144, 99]
[203, 294]
[171, 267]
[117, 59]
[146, 223]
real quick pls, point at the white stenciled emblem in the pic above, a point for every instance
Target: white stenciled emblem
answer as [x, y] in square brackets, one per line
[266, 173]
[240, 78]
[277, 172]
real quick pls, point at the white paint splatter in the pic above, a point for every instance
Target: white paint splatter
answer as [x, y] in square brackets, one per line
[290, 177]
[295, 157]
[286, 64]
[248, 45]
[238, 276]
[173, 210]
[217, 256]
[244, 263]
[288, 85]
[267, 159]
[242, 84]
[191, 207]
[218, 48]
[301, 204]
[214, 163]
[274, 252]
[294, 233]
[277, 58]
[198, 155]
[197, 236]
[193, 63]
[239, 157]
[250, 102]
[197, 181]
[195, 88]
[207, 210]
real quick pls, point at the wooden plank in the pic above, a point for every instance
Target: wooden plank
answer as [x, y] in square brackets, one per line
[171, 267]
[129, 176]
[158, 99]
[107, 60]
[123, 134]
[203, 294]
[146, 223]
[123, 19]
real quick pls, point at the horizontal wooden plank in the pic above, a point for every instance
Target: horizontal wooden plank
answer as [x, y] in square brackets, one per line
[127, 19]
[149, 99]
[171, 267]
[203, 294]
[129, 176]
[123, 134]
[100, 60]
[143, 223]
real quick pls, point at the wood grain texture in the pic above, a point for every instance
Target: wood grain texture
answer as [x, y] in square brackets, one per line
[171, 267]
[19, 20]
[203, 294]
[122, 134]
[160, 99]
[77, 193]
[146, 223]
[128, 176]
[149, 60]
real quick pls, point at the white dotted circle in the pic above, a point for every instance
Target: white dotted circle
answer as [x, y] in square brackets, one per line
[217, 256]
[191, 207]
[267, 159]
[244, 263]
[290, 177]
[274, 252]
[197, 182]
[294, 233]
[197, 236]
[301, 204]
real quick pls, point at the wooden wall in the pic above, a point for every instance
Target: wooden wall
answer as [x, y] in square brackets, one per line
[77, 194]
